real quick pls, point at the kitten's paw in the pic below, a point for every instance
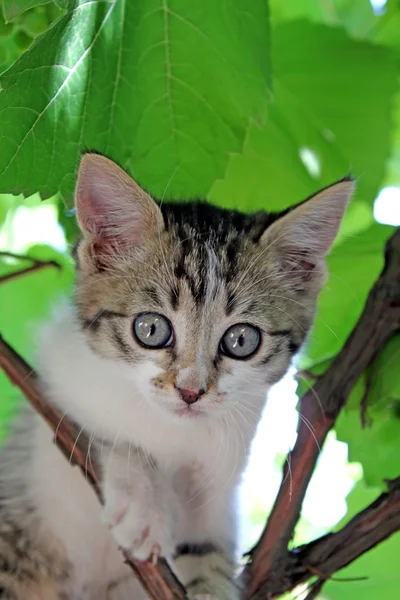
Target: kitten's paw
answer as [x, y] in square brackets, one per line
[137, 528]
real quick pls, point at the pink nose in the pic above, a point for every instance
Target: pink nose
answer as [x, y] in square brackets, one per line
[190, 396]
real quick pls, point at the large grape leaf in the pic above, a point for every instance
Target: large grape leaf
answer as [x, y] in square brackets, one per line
[375, 575]
[342, 116]
[165, 87]
[351, 104]
[270, 174]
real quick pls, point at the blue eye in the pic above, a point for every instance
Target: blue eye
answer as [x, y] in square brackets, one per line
[153, 330]
[240, 341]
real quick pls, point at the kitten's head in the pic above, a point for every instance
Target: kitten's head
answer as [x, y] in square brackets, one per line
[205, 306]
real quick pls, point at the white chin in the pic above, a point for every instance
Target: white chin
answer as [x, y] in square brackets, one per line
[188, 412]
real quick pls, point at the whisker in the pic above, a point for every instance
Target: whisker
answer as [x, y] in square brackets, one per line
[289, 474]
[316, 396]
[305, 421]
[76, 441]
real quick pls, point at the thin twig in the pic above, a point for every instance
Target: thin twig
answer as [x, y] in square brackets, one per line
[325, 577]
[36, 265]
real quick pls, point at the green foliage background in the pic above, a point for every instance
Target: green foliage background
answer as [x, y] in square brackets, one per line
[250, 104]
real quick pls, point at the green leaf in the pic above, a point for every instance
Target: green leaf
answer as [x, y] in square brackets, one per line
[24, 304]
[68, 222]
[26, 300]
[386, 30]
[384, 375]
[321, 109]
[377, 446]
[392, 177]
[379, 567]
[353, 268]
[356, 16]
[14, 8]
[169, 101]
[347, 103]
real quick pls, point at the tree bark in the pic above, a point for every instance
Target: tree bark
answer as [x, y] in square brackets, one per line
[272, 568]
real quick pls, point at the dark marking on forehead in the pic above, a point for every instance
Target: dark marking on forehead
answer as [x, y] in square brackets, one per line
[230, 303]
[186, 243]
[191, 268]
[197, 288]
[179, 271]
[152, 293]
[199, 226]
[102, 315]
[214, 222]
[228, 257]
[231, 252]
[250, 309]
[174, 297]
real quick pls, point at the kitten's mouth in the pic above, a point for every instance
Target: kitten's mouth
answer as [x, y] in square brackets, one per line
[187, 411]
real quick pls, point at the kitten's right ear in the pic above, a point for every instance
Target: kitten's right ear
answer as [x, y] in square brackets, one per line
[113, 212]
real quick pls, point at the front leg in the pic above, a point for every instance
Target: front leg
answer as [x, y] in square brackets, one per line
[133, 501]
[205, 558]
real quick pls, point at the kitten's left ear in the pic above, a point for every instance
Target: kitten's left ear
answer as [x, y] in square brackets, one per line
[301, 239]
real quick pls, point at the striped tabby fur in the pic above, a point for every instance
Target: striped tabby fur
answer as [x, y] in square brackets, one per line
[170, 469]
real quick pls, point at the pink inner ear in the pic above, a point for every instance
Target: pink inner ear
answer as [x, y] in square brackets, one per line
[305, 269]
[108, 204]
[300, 263]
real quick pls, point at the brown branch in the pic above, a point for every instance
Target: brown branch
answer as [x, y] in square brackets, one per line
[273, 569]
[364, 417]
[321, 406]
[36, 265]
[366, 530]
[159, 581]
[334, 551]
[315, 589]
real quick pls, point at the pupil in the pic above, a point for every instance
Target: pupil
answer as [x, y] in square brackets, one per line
[152, 329]
[241, 340]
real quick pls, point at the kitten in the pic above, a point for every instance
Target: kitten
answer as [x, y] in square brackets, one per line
[184, 316]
